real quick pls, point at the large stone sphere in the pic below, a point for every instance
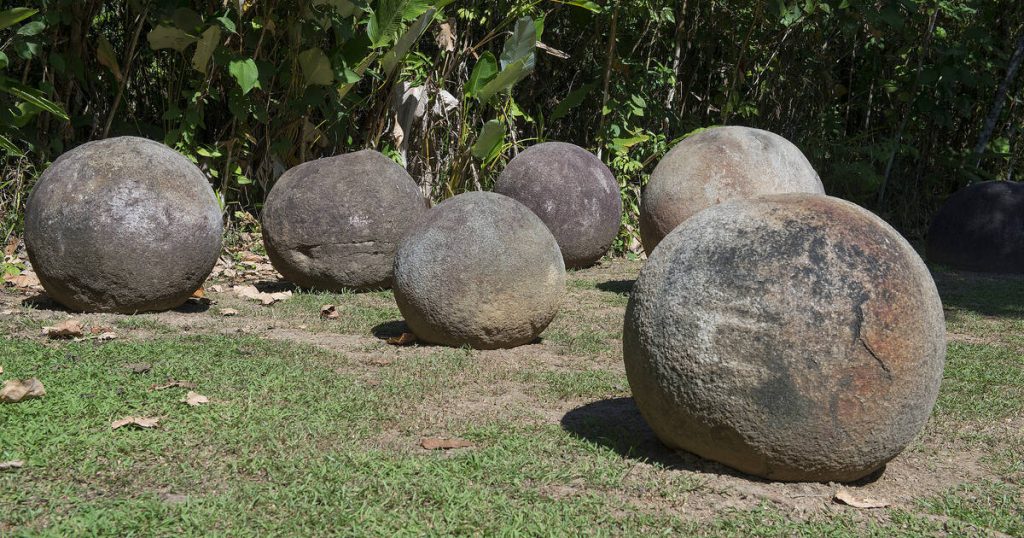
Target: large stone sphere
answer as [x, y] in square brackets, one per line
[573, 192]
[794, 337]
[334, 223]
[981, 228]
[717, 165]
[479, 270]
[122, 225]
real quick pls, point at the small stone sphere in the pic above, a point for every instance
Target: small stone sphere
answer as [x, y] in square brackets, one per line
[122, 225]
[980, 228]
[479, 270]
[716, 165]
[794, 337]
[334, 223]
[573, 192]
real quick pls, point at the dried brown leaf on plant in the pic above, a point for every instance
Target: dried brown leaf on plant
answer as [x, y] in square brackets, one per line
[195, 399]
[8, 465]
[329, 311]
[67, 329]
[16, 390]
[171, 383]
[138, 422]
[404, 339]
[846, 497]
[445, 38]
[437, 443]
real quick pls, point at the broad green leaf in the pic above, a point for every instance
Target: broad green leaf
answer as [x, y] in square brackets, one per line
[345, 8]
[385, 21]
[393, 58]
[571, 101]
[522, 43]
[507, 78]
[490, 140]
[316, 67]
[187, 19]
[14, 16]
[32, 28]
[35, 98]
[4, 61]
[587, 5]
[246, 74]
[105, 55]
[204, 48]
[228, 24]
[484, 71]
[169, 37]
[9, 147]
[359, 70]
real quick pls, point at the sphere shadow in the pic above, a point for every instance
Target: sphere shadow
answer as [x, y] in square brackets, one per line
[617, 424]
[42, 301]
[989, 294]
[390, 329]
[619, 287]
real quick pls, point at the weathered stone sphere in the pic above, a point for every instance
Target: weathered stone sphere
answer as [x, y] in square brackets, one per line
[334, 223]
[794, 337]
[122, 225]
[573, 192]
[717, 165]
[981, 228]
[482, 270]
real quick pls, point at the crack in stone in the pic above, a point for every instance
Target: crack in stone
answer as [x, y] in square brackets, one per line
[888, 372]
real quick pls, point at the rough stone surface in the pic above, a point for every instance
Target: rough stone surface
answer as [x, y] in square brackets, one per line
[981, 228]
[122, 225]
[716, 165]
[334, 223]
[573, 192]
[794, 337]
[480, 270]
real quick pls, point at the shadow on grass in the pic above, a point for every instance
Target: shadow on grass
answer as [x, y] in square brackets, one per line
[390, 329]
[620, 287]
[42, 301]
[985, 294]
[617, 424]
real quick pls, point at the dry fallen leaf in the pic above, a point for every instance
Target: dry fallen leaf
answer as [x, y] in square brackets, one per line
[139, 367]
[250, 292]
[216, 288]
[106, 337]
[846, 497]
[228, 312]
[16, 390]
[12, 247]
[1, 369]
[7, 465]
[404, 339]
[199, 294]
[26, 279]
[171, 383]
[251, 257]
[140, 422]
[68, 329]
[329, 311]
[195, 399]
[434, 443]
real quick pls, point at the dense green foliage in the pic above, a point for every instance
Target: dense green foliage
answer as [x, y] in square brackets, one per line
[897, 103]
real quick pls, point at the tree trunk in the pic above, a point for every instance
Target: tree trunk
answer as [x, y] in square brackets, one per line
[1000, 100]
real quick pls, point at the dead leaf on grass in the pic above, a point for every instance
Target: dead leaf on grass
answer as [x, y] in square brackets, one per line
[1, 369]
[216, 288]
[8, 465]
[139, 367]
[404, 339]
[844, 496]
[106, 337]
[139, 422]
[329, 311]
[228, 312]
[68, 329]
[27, 279]
[16, 390]
[195, 399]
[171, 383]
[12, 247]
[436, 443]
[250, 292]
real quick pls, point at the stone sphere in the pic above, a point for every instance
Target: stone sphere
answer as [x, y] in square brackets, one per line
[479, 270]
[334, 223]
[793, 337]
[573, 192]
[981, 228]
[717, 165]
[122, 225]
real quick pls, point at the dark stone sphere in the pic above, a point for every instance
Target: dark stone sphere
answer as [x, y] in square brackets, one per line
[981, 228]
[479, 270]
[573, 192]
[334, 223]
[122, 225]
[793, 337]
[717, 165]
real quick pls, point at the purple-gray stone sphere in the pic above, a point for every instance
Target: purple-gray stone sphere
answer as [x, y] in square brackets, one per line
[122, 225]
[717, 165]
[482, 270]
[334, 223]
[573, 192]
[793, 337]
[981, 228]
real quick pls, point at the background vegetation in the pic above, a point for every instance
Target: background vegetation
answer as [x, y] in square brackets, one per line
[897, 103]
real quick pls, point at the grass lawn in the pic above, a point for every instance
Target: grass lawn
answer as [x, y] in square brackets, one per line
[314, 427]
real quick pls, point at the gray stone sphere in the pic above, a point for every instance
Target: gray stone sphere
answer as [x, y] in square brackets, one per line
[122, 225]
[793, 337]
[334, 223]
[482, 270]
[573, 192]
[717, 165]
[980, 228]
